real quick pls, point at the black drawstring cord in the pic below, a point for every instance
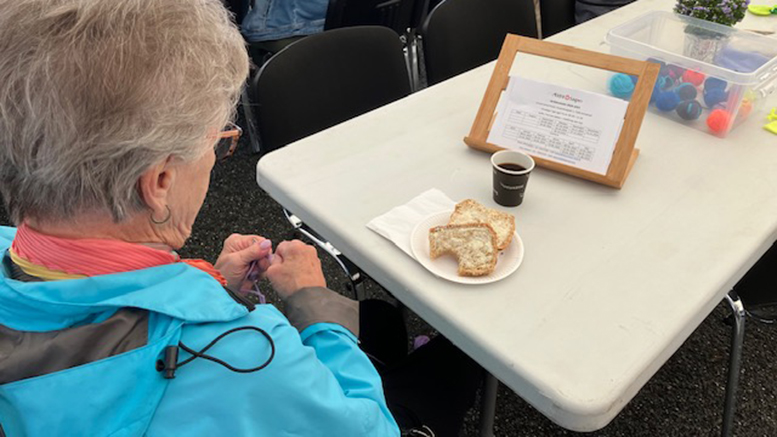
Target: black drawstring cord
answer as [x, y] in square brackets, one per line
[169, 365]
[201, 353]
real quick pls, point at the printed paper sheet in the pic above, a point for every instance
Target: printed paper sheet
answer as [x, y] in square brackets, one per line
[569, 126]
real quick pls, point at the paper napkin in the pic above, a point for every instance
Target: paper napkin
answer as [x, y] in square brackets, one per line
[397, 224]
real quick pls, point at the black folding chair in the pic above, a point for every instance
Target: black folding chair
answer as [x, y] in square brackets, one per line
[462, 34]
[394, 14]
[323, 80]
[754, 296]
[239, 9]
[403, 16]
[556, 16]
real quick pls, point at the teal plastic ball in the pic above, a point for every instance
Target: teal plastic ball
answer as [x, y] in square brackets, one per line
[621, 86]
[664, 83]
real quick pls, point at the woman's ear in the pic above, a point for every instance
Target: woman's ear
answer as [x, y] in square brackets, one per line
[154, 187]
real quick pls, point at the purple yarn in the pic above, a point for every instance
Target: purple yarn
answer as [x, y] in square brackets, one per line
[420, 341]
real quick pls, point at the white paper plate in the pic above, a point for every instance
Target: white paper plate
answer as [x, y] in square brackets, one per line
[447, 267]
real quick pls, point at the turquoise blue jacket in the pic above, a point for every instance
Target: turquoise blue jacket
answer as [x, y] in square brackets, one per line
[318, 384]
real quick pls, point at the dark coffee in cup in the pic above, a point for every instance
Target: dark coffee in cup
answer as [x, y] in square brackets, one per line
[511, 170]
[512, 167]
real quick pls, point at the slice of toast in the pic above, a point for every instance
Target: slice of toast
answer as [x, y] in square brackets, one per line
[469, 211]
[473, 245]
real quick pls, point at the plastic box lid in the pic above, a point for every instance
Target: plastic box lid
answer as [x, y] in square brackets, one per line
[665, 36]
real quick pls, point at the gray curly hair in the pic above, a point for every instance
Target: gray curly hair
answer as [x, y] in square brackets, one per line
[95, 92]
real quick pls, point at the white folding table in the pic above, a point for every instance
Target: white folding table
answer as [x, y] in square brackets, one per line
[613, 281]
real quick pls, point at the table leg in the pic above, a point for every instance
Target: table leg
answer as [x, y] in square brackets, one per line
[735, 363]
[488, 406]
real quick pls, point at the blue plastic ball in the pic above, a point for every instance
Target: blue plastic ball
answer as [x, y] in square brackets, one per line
[715, 96]
[621, 86]
[689, 109]
[662, 84]
[667, 101]
[665, 81]
[686, 91]
[712, 83]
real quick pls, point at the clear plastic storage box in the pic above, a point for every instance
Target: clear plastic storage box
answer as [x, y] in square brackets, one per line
[712, 78]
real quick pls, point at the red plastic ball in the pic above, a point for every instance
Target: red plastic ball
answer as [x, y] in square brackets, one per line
[693, 77]
[718, 120]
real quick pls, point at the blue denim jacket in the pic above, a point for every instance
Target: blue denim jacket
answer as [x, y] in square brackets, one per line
[589, 9]
[270, 20]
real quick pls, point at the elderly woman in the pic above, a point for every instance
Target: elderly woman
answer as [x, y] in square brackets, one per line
[109, 115]
[112, 114]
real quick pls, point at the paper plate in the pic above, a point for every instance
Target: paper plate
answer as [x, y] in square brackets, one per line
[446, 267]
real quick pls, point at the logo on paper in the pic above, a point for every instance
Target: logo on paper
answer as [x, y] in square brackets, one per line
[567, 97]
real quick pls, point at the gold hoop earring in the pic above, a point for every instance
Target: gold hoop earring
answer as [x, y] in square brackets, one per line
[164, 220]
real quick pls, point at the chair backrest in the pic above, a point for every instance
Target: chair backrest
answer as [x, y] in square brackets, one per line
[556, 16]
[462, 34]
[327, 78]
[394, 14]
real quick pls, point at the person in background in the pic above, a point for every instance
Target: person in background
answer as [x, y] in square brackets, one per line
[112, 115]
[588, 9]
[271, 25]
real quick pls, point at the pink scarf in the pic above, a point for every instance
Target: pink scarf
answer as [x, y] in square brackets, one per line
[94, 257]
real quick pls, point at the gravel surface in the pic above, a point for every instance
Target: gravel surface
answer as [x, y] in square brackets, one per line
[685, 397]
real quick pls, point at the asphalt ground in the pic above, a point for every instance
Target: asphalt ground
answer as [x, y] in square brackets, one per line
[685, 397]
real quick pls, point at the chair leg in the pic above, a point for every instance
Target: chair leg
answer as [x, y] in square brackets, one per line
[423, 80]
[356, 277]
[407, 53]
[253, 133]
[735, 362]
[411, 54]
[488, 405]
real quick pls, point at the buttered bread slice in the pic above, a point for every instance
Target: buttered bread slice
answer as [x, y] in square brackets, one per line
[473, 245]
[470, 211]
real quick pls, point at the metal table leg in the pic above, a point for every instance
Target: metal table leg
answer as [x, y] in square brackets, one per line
[735, 363]
[488, 406]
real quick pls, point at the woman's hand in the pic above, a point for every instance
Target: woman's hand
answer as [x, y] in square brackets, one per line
[237, 255]
[295, 266]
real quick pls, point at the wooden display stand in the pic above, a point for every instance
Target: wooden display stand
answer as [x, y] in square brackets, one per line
[624, 154]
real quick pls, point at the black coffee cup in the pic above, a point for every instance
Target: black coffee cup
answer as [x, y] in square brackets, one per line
[511, 170]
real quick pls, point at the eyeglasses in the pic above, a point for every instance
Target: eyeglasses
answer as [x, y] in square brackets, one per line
[227, 141]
